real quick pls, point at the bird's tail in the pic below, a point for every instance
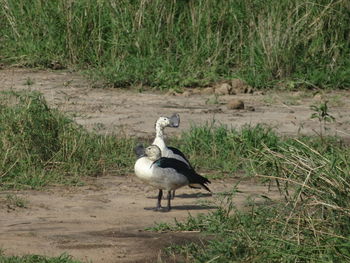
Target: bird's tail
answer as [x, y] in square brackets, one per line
[201, 183]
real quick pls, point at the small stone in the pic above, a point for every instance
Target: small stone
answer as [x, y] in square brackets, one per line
[245, 89]
[207, 91]
[235, 104]
[237, 83]
[318, 97]
[260, 92]
[56, 65]
[249, 89]
[196, 91]
[232, 92]
[297, 94]
[171, 93]
[223, 89]
[187, 93]
[239, 86]
[250, 108]
[214, 110]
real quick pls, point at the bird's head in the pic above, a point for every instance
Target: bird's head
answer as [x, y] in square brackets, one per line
[172, 121]
[153, 152]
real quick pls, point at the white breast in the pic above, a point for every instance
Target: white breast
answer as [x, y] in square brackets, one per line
[161, 144]
[161, 178]
[143, 169]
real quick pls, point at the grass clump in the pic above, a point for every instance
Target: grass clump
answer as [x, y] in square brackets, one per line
[37, 259]
[311, 223]
[183, 43]
[260, 235]
[14, 201]
[219, 148]
[39, 145]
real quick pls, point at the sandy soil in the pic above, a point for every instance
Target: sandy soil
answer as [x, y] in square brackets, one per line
[105, 220]
[114, 110]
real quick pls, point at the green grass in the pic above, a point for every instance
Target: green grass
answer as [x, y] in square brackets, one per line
[14, 201]
[36, 259]
[222, 149]
[310, 224]
[40, 146]
[168, 44]
[262, 235]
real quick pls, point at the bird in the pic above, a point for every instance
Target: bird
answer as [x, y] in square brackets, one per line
[169, 151]
[166, 174]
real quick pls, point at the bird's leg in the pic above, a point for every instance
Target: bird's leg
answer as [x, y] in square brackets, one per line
[169, 199]
[160, 195]
[173, 194]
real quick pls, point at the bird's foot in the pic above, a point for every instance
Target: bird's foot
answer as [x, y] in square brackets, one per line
[157, 208]
[166, 209]
[161, 209]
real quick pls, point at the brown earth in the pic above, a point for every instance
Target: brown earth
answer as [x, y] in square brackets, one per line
[105, 220]
[119, 110]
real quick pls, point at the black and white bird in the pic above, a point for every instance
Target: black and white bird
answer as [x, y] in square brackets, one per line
[168, 151]
[166, 173]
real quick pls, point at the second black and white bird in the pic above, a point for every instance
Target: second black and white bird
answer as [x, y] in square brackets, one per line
[166, 174]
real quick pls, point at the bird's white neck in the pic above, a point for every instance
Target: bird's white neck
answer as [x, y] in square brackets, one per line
[159, 140]
[159, 131]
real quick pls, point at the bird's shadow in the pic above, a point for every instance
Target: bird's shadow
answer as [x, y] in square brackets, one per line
[194, 195]
[182, 207]
[193, 207]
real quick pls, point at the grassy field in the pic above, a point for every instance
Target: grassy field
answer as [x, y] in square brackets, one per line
[169, 44]
[311, 224]
[37, 259]
[40, 146]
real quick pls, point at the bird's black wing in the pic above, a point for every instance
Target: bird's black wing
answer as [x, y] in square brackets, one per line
[178, 152]
[182, 168]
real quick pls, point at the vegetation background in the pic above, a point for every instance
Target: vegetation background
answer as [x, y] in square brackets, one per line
[174, 43]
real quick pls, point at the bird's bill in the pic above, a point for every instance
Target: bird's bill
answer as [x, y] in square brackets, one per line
[175, 120]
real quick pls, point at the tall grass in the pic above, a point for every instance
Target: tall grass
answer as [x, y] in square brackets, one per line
[177, 42]
[215, 147]
[310, 224]
[39, 145]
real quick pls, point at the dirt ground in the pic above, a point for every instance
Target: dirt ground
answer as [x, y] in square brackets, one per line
[105, 220]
